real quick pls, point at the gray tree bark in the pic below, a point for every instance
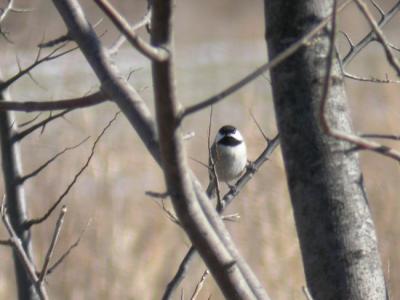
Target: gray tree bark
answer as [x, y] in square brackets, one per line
[16, 204]
[333, 221]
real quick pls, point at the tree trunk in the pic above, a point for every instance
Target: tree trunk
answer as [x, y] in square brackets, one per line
[334, 225]
[16, 209]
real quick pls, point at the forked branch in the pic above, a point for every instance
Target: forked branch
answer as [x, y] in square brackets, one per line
[360, 142]
[151, 52]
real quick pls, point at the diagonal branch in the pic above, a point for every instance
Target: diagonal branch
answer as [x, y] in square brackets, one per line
[261, 70]
[379, 36]
[48, 162]
[54, 54]
[196, 213]
[53, 243]
[39, 220]
[360, 142]
[112, 83]
[151, 52]
[226, 200]
[145, 21]
[20, 135]
[67, 252]
[370, 37]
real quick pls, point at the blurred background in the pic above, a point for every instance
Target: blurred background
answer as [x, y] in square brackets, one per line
[130, 249]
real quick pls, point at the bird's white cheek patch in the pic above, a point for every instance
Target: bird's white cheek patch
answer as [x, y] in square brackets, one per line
[237, 136]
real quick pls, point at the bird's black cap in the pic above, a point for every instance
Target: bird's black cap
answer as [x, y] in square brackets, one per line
[227, 129]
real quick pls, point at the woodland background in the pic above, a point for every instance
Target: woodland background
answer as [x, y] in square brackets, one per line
[130, 250]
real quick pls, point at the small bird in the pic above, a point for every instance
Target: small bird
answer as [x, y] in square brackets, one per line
[229, 156]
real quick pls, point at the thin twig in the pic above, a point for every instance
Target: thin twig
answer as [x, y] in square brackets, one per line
[259, 127]
[153, 53]
[20, 135]
[180, 274]
[370, 36]
[26, 123]
[379, 36]
[362, 143]
[62, 39]
[53, 243]
[169, 214]
[54, 42]
[10, 8]
[38, 61]
[143, 22]
[261, 70]
[48, 162]
[200, 284]
[370, 79]
[66, 253]
[381, 136]
[39, 220]
[157, 194]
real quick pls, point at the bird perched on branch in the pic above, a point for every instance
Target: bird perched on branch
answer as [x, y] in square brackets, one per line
[229, 157]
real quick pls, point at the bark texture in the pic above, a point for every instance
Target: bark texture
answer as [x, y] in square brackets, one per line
[334, 224]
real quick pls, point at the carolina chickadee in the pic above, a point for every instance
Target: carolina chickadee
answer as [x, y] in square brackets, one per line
[229, 156]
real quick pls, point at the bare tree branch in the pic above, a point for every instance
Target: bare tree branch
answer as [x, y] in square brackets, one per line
[381, 136]
[4, 11]
[226, 200]
[196, 213]
[371, 35]
[199, 285]
[16, 202]
[370, 79]
[145, 21]
[54, 42]
[31, 222]
[66, 253]
[20, 135]
[61, 39]
[26, 123]
[47, 163]
[360, 142]
[38, 60]
[153, 53]
[73, 103]
[19, 249]
[180, 274]
[5, 243]
[53, 243]
[261, 70]
[113, 84]
[379, 36]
